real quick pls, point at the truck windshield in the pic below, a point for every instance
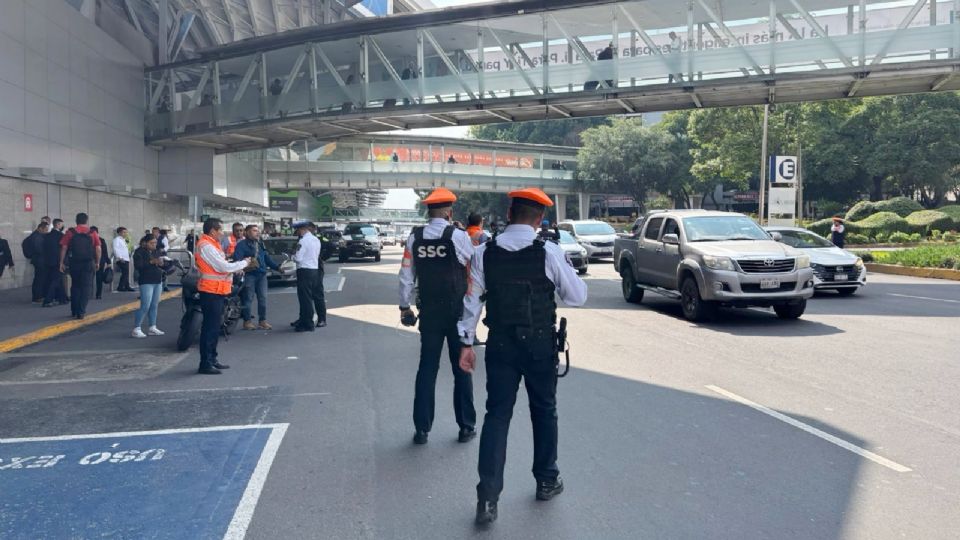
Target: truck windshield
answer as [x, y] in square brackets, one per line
[722, 228]
[592, 229]
[804, 240]
[364, 230]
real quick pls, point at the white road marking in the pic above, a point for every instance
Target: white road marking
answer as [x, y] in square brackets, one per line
[925, 298]
[812, 430]
[140, 433]
[171, 400]
[248, 503]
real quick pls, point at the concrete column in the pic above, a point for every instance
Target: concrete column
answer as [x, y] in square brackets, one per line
[560, 202]
[583, 204]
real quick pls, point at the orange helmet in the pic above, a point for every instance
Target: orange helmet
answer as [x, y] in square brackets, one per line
[440, 197]
[533, 195]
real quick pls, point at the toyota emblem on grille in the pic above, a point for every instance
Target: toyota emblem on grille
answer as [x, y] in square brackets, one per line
[839, 269]
[769, 262]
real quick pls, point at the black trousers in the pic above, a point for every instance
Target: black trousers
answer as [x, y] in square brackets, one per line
[56, 292]
[310, 296]
[39, 286]
[212, 307]
[124, 267]
[81, 285]
[431, 348]
[507, 362]
[99, 280]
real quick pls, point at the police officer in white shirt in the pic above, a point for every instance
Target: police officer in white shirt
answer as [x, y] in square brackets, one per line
[437, 259]
[519, 274]
[121, 255]
[307, 258]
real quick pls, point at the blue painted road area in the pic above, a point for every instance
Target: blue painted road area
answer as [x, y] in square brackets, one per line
[174, 484]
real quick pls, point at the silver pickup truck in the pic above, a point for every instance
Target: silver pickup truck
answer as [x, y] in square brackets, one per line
[711, 259]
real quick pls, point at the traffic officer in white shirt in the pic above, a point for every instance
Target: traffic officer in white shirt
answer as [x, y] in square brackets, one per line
[519, 275]
[309, 281]
[436, 263]
[121, 255]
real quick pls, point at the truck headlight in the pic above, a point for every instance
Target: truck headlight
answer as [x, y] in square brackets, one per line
[718, 263]
[859, 263]
[803, 261]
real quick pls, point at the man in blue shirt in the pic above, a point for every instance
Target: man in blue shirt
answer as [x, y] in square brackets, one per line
[255, 279]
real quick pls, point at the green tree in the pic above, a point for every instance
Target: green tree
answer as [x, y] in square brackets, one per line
[626, 157]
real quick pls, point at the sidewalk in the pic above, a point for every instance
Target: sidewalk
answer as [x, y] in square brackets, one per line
[27, 322]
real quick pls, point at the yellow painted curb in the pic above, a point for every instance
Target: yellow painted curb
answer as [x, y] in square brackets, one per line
[55, 330]
[936, 273]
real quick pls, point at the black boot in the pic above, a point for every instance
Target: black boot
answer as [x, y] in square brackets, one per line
[486, 513]
[548, 489]
[466, 435]
[420, 437]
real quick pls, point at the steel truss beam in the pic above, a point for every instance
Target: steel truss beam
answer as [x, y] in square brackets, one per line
[510, 55]
[390, 69]
[446, 60]
[729, 35]
[584, 52]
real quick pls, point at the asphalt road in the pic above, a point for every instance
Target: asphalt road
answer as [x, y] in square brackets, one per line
[853, 430]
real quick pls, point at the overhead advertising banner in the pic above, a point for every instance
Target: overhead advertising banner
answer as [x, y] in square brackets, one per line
[284, 201]
[480, 157]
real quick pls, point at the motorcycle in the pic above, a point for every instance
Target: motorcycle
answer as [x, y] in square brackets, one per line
[193, 316]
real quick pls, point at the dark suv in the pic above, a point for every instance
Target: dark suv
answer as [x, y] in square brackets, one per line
[360, 240]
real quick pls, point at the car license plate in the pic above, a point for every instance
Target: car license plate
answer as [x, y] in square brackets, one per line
[840, 277]
[769, 283]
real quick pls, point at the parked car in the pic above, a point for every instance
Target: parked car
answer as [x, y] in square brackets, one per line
[712, 259]
[330, 242]
[360, 240]
[576, 254]
[281, 250]
[595, 236]
[834, 269]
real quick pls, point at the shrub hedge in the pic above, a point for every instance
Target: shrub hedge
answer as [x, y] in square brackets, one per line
[887, 222]
[861, 210]
[927, 221]
[952, 210]
[924, 256]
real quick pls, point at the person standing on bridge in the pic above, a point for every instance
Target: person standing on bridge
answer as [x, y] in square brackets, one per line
[215, 283]
[518, 274]
[436, 261]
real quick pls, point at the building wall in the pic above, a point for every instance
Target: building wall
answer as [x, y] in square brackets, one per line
[107, 211]
[71, 98]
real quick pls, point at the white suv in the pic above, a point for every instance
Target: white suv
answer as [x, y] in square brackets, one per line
[595, 236]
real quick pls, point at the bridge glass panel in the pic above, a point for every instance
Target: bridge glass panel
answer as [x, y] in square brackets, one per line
[581, 55]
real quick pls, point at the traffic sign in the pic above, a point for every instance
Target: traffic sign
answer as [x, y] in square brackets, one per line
[785, 170]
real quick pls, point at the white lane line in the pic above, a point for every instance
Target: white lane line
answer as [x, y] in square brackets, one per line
[258, 396]
[812, 430]
[141, 433]
[925, 298]
[244, 513]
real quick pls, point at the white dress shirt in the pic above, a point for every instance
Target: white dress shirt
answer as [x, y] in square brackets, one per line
[307, 256]
[215, 258]
[571, 289]
[120, 250]
[433, 230]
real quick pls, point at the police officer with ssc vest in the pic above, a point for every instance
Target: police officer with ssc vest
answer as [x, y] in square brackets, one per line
[435, 272]
[519, 275]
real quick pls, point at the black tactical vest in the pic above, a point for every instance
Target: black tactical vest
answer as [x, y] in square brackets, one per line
[441, 279]
[519, 293]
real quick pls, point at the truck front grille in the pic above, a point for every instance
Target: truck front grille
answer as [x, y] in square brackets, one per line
[766, 266]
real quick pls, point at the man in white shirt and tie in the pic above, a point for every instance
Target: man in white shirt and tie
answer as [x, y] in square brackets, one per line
[121, 256]
[309, 280]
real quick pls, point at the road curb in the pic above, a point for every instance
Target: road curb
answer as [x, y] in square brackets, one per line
[935, 273]
[59, 329]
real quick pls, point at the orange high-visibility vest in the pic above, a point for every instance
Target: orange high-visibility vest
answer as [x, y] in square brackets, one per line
[231, 246]
[211, 281]
[474, 233]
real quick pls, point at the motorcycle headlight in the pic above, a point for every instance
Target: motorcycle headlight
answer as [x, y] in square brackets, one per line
[718, 263]
[859, 263]
[803, 261]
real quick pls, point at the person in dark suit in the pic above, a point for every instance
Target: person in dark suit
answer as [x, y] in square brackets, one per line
[103, 265]
[56, 292]
[33, 250]
[6, 256]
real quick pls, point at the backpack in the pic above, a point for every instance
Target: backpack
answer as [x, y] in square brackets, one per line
[29, 246]
[81, 248]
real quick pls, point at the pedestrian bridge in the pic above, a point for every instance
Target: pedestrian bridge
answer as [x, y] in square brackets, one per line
[536, 59]
[393, 161]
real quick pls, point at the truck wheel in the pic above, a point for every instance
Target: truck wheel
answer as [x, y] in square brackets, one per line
[376, 258]
[631, 293]
[695, 308]
[582, 271]
[790, 311]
